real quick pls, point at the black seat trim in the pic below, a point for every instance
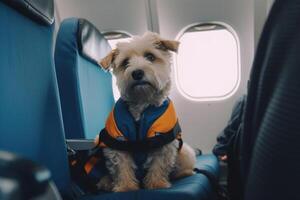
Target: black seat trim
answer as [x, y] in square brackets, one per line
[38, 10]
[91, 43]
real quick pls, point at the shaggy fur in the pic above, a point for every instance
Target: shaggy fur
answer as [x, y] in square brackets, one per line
[151, 54]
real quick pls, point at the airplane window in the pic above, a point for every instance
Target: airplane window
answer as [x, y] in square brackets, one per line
[113, 38]
[207, 66]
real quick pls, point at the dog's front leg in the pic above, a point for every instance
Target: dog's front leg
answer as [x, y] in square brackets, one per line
[121, 168]
[160, 164]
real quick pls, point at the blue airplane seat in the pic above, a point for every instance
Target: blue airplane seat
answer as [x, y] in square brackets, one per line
[85, 88]
[86, 96]
[30, 116]
[196, 187]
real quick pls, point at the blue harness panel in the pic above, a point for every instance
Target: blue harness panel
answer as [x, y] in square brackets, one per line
[137, 130]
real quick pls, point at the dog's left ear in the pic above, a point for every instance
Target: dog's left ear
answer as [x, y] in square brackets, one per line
[171, 45]
[107, 61]
[161, 43]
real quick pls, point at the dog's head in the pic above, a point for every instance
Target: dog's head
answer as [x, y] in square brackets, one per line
[142, 67]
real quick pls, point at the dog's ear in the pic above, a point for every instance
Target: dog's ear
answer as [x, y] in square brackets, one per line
[171, 45]
[107, 61]
[161, 43]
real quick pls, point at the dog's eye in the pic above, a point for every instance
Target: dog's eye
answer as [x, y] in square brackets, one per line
[125, 62]
[150, 57]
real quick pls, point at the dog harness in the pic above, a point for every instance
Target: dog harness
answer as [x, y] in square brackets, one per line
[157, 127]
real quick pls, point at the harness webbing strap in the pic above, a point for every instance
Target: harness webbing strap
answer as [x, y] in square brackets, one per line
[141, 145]
[90, 164]
[82, 164]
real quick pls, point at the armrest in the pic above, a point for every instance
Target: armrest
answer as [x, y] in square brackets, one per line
[32, 179]
[80, 144]
[210, 163]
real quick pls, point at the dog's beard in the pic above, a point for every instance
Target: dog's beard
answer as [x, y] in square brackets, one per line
[143, 92]
[149, 91]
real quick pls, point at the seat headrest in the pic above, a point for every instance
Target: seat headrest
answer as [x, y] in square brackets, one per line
[91, 43]
[39, 10]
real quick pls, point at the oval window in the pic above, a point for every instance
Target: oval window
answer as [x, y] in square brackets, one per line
[207, 66]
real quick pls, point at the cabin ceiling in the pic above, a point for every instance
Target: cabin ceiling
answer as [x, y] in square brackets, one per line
[126, 15]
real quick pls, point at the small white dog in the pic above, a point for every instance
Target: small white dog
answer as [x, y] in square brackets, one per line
[143, 71]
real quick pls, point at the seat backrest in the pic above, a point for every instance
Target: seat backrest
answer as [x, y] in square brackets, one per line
[30, 116]
[85, 88]
[271, 156]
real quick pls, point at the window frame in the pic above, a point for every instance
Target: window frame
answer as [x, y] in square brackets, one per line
[238, 78]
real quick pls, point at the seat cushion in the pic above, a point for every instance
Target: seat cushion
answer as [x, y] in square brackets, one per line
[188, 188]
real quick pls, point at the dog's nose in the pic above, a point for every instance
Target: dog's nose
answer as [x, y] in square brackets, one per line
[137, 74]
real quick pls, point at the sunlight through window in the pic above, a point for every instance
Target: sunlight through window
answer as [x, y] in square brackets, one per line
[207, 63]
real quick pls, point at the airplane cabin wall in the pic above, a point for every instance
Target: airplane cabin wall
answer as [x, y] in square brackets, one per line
[126, 15]
[201, 121]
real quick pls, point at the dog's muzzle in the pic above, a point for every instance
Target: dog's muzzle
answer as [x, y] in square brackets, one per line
[141, 83]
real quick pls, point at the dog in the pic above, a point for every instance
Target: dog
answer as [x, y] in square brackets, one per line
[142, 68]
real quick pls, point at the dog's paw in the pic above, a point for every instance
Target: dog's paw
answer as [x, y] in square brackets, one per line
[157, 184]
[105, 184]
[125, 187]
